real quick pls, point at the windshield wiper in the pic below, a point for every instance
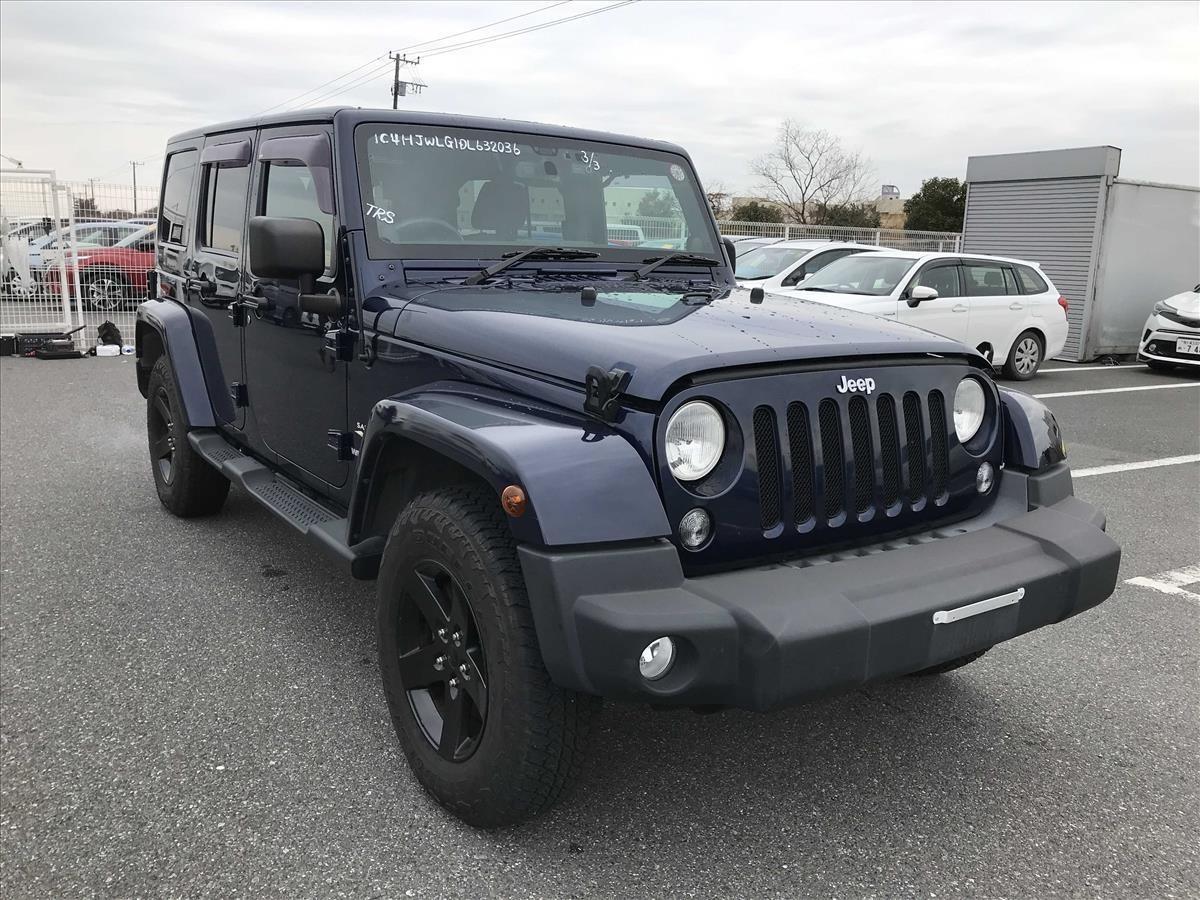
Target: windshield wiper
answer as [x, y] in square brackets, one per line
[534, 253]
[690, 259]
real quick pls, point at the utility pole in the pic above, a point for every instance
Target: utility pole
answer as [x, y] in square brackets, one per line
[400, 88]
[134, 166]
[92, 190]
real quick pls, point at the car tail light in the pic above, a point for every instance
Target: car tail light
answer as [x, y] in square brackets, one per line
[1062, 301]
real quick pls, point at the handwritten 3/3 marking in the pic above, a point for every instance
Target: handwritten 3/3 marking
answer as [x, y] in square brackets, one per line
[446, 142]
[588, 158]
[383, 215]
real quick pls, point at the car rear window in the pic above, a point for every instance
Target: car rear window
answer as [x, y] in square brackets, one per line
[1031, 281]
[176, 194]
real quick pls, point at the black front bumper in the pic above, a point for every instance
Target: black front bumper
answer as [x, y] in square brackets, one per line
[772, 635]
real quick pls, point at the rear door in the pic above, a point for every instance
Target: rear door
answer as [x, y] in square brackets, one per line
[997, 307]
[214, 272]
[948, 314]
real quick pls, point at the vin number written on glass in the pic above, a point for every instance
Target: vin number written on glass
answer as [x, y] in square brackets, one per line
[446, 142]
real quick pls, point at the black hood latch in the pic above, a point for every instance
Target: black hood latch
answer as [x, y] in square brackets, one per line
[603, 392]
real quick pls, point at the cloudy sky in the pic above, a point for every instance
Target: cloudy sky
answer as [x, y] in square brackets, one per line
[84, 88]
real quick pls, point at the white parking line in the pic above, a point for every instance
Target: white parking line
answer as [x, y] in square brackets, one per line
[1142, 387]
[1129, 467]
[1172, 583]
[1092, 368]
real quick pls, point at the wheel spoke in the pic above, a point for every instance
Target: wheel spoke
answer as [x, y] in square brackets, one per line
[458, 614]
[417, 667]
[475, 686]
[426, 595]
[453, 715]
[164, 411]
[161, 449]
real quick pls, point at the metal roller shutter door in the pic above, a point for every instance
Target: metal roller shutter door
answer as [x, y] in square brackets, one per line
[1052, 222]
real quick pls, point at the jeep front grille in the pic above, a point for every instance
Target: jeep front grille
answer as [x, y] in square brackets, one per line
[855, 465]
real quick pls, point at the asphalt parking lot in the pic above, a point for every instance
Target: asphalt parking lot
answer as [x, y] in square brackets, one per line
[193, 709]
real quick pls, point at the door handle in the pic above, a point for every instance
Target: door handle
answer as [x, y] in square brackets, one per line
[960, 308]
[202, 286]
[1015, 305]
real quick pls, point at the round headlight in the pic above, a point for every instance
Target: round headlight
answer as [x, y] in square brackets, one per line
[695, 440]
[969, 406]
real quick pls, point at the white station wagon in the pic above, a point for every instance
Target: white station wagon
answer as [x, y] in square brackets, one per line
[1005, 308]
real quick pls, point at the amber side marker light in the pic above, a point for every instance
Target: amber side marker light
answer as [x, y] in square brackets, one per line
[512, 498]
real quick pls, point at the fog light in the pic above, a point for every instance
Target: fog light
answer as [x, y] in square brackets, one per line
[1153, 348]
[657, 658]
[694, 529]
[985, 478]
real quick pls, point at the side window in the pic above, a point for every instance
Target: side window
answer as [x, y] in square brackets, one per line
[177, 193]
[224, 208]
[984, 280]
[290, 192]
[1031, 281]
[1010, 282]
[815, 264]
[943, 279]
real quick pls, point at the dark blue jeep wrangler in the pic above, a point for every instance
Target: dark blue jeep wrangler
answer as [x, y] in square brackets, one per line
[579, 461]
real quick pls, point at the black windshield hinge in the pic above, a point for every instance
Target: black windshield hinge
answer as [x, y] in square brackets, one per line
[603, 392]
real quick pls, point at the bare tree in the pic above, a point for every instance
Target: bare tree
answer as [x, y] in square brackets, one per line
[809, 171]
[719, 200]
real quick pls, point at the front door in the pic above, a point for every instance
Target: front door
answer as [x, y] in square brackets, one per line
[997, 308]
[214, 278]
[948, 313]
[296, 384]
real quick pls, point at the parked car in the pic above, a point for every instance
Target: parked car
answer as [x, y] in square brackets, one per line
[786, 263]
[1007, 309]
[40, 248]
[576, 473]
[743, 245]
[112, 277]
[1172, 334]
[45, 254]
[625, 235]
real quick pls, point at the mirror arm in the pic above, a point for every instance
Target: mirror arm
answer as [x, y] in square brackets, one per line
[321, 304]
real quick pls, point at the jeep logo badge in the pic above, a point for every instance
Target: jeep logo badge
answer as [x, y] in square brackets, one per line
[855, 385]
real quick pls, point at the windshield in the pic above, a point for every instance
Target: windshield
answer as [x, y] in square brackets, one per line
[869, 274]
[456, 192]
[763, 262]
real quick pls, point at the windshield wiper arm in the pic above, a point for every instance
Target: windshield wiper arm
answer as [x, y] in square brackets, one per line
[534, 253]
[690, 259]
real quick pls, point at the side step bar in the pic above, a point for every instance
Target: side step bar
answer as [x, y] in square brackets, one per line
[286, 500]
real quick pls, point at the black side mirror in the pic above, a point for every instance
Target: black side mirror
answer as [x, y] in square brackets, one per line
[287, 249]
[730, 252]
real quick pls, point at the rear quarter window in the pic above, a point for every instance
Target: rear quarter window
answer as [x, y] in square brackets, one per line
[1031, 281]
[176, 196]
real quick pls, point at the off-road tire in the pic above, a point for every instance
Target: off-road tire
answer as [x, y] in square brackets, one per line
[532, 739]
[191, 487]
[1012, 365]
[950, 665]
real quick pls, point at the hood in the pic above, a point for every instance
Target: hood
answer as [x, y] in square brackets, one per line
[1187, 304]
[643, 329]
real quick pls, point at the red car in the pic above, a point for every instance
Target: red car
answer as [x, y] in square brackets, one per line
[113, 277]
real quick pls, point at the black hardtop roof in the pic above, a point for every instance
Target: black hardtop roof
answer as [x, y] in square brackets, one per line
[354, 115]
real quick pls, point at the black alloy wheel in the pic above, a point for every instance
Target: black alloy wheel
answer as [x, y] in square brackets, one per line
[441, 662]
[162, 436]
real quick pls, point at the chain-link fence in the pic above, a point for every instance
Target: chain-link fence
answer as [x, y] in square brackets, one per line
[895, 238]
[73, 253]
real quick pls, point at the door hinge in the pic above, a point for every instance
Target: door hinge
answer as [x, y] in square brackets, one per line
[342, 442]
[239, 394]
[339, 343]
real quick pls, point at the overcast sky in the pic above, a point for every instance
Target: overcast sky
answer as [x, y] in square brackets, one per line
[84, 88]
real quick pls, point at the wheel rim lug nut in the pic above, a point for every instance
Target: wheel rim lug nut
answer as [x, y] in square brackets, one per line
[439, 663]
[441, 633]
[457, 638]
[454, 682]
[465, 672]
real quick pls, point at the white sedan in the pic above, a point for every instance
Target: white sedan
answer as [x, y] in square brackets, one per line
[1172, 333]
[787, 263]
[1005, 308]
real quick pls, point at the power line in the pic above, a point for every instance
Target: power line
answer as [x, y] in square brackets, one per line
[465, 45]
[436, 40]
[437, 51]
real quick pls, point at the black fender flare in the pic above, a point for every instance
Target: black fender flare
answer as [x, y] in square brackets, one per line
[186, 339]
[1032, 437]
[584, 482]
